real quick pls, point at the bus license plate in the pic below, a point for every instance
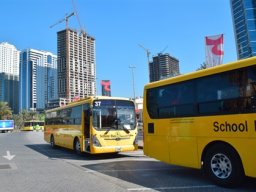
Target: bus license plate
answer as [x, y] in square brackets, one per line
[118, 149]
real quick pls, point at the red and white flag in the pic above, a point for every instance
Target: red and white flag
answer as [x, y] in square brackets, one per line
[214, 50]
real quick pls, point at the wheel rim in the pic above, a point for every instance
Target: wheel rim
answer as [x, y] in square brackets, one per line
[77, 146]
[221, 166]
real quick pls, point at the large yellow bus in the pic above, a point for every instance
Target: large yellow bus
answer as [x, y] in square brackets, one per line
[94, 125]
[33, 125]
[205, 119]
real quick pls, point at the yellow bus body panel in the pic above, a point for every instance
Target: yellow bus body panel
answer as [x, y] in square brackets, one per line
[27, 128]
[115, 141]
[182, 141]
[64, 135]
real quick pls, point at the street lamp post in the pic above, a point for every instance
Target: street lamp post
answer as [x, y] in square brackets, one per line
[132, 68]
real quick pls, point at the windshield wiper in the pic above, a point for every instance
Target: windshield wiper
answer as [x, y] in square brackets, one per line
[114, 125]
[126, 129]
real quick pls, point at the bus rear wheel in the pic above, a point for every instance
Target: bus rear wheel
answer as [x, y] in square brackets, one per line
[223, 166]
[77, 146]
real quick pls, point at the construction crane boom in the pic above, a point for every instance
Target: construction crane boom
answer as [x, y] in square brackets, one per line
[77, 16]
[147, 50]
[64, 19]
[148, 55]
[164, 49]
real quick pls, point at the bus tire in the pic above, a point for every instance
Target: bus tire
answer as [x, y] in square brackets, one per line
[52, 142]
[77, 146]
[223, 166]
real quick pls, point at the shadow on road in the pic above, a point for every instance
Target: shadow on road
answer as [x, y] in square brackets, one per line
[149, 174]
[63, 153]
[154, 174]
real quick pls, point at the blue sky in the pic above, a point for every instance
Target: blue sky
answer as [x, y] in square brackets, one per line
[178, 26]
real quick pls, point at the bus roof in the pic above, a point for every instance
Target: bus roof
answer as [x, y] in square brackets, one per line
[204, 72]
[90, 98]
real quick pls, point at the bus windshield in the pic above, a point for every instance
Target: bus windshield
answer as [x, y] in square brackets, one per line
[113, 114]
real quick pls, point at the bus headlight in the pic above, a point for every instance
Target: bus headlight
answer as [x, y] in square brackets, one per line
[95, 141]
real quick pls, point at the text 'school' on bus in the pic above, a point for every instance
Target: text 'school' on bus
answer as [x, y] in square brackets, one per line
[93, 125]
[205, 119]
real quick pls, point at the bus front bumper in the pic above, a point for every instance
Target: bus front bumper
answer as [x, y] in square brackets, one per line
[113, 149]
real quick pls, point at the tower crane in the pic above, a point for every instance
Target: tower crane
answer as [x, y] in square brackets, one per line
[147, 51]
[164, 49]
[64, 19]
[148, 55]
[77, 17]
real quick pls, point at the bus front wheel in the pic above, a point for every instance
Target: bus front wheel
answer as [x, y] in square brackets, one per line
[223, 166]
[77, 146]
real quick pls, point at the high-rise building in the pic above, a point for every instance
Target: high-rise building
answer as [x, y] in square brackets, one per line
[9, 91]
[9, 75]
[154, 70]
[244, 22]
[163, 66]
[9, 59]
[76, 64]
[38, 79]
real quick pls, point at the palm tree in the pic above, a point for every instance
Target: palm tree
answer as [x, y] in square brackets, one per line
[25, 114]
[5, 111]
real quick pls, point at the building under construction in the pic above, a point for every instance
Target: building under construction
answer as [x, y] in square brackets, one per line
[76, 64]
[163, 66]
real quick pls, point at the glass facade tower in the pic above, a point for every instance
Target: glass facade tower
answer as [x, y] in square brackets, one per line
[244, 22]
[38, 79]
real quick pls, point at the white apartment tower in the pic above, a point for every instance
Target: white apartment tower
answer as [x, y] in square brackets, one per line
[9, 75]
[9, 59]
[76, 64]
[38, 79]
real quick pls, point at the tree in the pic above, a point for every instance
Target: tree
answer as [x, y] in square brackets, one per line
[26, 115]
[5, 111]
[18, 121]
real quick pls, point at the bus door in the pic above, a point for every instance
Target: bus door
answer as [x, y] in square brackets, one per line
[87, 122]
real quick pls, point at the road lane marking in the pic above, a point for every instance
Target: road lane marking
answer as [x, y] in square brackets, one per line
[171, 188]
[127, 170]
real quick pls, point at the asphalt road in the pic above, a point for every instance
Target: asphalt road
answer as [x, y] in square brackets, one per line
[37, 167]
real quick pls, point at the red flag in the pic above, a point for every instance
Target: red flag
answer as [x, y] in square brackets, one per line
[106, 91]
[76, 98]
[214, 50]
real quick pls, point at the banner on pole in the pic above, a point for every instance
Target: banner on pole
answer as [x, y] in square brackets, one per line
[106, 91]
[214, 50]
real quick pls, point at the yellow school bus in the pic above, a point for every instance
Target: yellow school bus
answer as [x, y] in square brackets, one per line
[33, 125]
[205, 119]
[94, 125]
